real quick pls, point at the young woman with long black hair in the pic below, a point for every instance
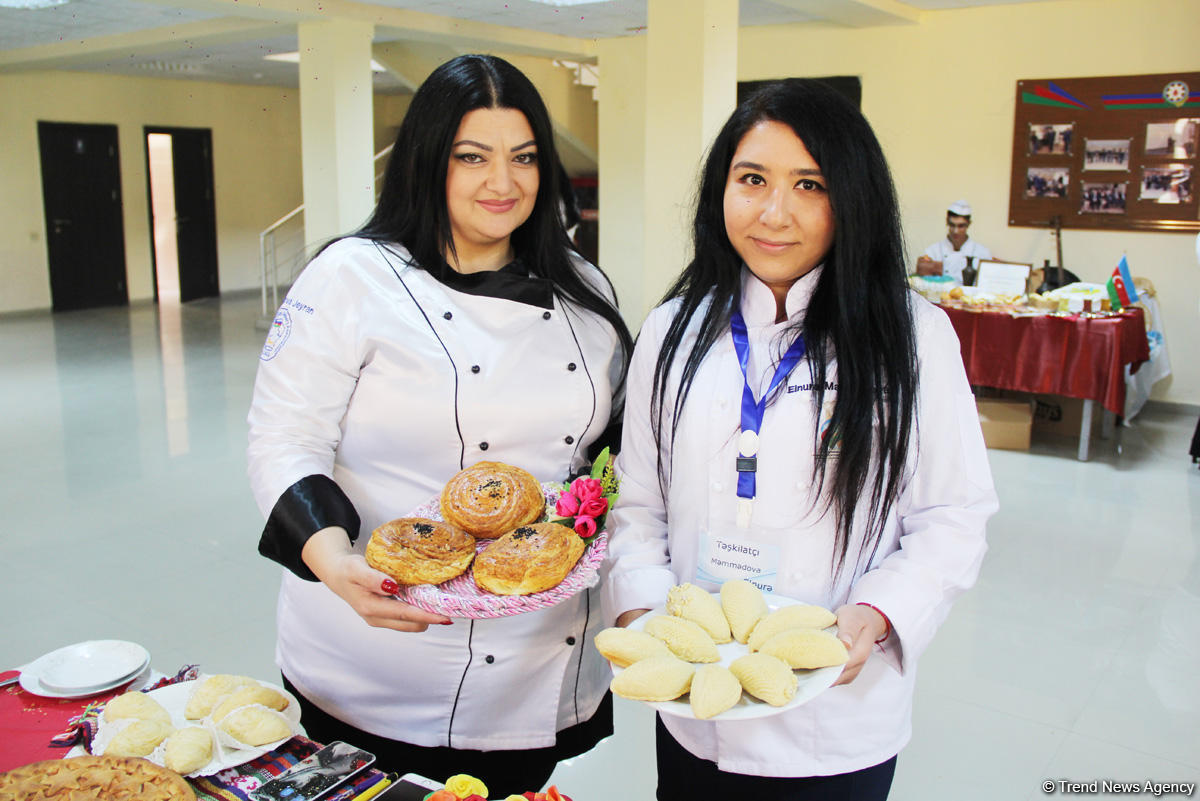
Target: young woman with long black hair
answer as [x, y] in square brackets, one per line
[457, 325]
[797, 417]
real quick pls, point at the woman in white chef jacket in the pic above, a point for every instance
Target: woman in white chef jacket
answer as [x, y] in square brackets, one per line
[456, 326]
[860, 483]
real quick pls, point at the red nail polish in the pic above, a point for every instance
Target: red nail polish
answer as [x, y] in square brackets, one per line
[390, 587]
[445, 622]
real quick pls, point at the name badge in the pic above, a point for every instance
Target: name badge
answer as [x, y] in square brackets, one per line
[723, 558]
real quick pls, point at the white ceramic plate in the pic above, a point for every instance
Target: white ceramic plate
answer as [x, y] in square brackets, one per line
[84, 666]
[811, 683]
[30, 681]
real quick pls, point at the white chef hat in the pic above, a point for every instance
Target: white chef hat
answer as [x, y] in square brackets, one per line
[960, 207]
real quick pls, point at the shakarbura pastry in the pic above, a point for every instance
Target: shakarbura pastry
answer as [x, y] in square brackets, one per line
[528, 559]
[413, 550]
[489, 499]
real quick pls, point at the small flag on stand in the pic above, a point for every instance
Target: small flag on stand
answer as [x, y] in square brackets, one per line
[1121, 291]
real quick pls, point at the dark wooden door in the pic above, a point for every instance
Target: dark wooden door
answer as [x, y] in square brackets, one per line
[195, 211]
[85, 238]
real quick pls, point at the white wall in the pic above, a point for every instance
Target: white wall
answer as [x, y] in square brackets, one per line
[256, 167]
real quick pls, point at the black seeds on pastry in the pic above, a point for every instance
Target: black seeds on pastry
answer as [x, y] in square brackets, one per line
[422, 528]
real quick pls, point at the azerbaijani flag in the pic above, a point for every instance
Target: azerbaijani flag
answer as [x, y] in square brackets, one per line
[1121, 291]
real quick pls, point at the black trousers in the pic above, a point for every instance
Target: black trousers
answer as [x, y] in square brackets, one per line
[504, 772]
[684, 777]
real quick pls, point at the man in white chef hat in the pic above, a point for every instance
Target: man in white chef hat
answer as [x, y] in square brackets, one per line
[949, 256]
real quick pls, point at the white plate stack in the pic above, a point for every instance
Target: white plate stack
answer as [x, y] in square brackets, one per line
[85, 668]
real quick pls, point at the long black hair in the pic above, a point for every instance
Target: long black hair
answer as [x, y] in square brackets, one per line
[858, 316]
[412, 203]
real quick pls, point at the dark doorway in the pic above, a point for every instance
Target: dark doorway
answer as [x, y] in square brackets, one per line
[85, 237]
[195, 218]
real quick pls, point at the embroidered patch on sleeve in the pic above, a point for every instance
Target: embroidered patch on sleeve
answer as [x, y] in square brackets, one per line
[281, 328]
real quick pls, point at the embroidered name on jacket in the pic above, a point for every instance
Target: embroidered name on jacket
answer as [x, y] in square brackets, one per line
[830, 386]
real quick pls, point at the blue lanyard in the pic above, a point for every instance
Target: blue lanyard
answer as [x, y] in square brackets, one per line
[752, 411]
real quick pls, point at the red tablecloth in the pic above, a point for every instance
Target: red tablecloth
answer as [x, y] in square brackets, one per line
[1075, 356]
[27, 722]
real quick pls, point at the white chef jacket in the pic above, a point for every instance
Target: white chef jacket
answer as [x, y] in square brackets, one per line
[383, 378]
[931, 549]
[953, 261]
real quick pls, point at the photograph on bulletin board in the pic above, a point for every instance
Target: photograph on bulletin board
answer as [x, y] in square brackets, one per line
[1169, 184]
[1175, 139]
[1112, 152]
[1106, 154]
[1050, 139]
[1102, 198]
[1047, 182]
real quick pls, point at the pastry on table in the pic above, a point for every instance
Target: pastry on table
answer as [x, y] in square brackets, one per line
[256, 725]
[714, 690]
[93, 778]
[488, 499]
[623, 647]
[659, 678]
[798, 616]
[134, 705]
[413, 550]
[686, 639]
[528, 559]
[806, 649]
[249, 695]
[188, 749]
[209, 692]
[139, 738]
[695, 604]
[744, 606]
[765, 677]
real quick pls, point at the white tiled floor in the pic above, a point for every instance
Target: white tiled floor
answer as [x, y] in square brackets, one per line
[125, 513]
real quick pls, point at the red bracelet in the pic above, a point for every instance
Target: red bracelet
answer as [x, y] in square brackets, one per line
[886, 622]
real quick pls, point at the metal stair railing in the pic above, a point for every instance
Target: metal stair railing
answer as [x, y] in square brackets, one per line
[275, 240]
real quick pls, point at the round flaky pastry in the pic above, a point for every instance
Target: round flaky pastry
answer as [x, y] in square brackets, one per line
[528, 559]
[490, 498]
[413, 550]
[93, 777]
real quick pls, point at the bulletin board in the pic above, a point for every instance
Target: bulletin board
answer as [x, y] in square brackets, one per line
[1115, 153]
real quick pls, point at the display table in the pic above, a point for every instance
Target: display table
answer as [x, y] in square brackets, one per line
[29, 722]
[1077, 356]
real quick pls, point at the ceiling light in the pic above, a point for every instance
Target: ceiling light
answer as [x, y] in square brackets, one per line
[294, 58]
[32, 3]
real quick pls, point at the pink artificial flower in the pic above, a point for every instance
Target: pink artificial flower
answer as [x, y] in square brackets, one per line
[585, 526]
[594, 508]
[587, 489]
[567, 505]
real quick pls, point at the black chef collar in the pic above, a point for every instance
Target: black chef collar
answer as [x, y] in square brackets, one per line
[511, 282]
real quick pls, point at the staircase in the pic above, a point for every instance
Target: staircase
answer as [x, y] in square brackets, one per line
[283, 253]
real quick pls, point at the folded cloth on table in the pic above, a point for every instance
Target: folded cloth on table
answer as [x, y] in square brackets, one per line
[236, 784]
[81, 729]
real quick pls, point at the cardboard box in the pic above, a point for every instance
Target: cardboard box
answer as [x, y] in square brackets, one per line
[1062, 416]
[1006, 424]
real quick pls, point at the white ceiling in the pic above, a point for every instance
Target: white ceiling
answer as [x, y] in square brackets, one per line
[220, 40]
